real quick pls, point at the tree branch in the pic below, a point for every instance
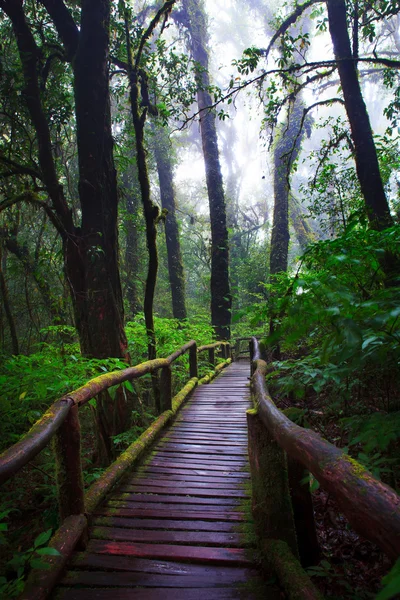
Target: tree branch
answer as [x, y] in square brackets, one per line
[32, 198]
[153, 24]
[65, 25]
[18, 169]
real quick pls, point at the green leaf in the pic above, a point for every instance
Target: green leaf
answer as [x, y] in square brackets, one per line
[48, 552]
[129, 386]
[42, 538]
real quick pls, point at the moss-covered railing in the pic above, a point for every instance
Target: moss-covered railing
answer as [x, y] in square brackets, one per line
[61, 424]
[370, 506]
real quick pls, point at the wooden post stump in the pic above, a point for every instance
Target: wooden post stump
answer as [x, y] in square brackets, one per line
[67, 447]
[211, 357]
[193, 368]
[271, 503]
[166, 389]
[303, 513]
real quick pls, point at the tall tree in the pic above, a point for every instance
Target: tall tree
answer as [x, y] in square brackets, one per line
[194, 18]
[366, 159]
[90, 248]
[162, 152]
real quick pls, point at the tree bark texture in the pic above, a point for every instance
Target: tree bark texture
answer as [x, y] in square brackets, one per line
[151, 212]
[221, 300]
[132, 259]
[286, 151]
[162, 152]
[366, 159]
[7, 308]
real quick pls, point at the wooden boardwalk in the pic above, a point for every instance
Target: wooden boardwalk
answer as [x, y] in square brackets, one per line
[178, 528]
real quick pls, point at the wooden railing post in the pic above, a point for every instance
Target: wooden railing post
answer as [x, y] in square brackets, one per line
[67, 447]
[166, 389]
[211, 357]
[303, 514]
[251, 349]
[193, 368]
[271, 502]
[237, 349]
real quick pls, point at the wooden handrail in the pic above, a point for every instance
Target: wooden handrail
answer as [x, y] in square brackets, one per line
[33, 442]
[371, 507]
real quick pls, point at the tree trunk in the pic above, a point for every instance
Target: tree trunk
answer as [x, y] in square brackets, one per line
[365, 152]
[304, 232]
[221, 300]
[90, 251]
[162, 151]
[7, 309]
[132, 259]
[286, 151]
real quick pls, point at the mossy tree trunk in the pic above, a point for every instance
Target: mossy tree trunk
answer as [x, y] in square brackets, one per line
[91, 249]
[7, 307]
[162, 152]
[366, 159]
[195, 20]
[139, 101]
[132, 257]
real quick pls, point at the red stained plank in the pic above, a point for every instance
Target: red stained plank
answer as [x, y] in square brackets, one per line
[102, 562]
[216, 556]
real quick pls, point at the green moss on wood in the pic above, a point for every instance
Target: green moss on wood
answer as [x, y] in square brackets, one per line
[180, 398]
[276, 556]
[113, 474]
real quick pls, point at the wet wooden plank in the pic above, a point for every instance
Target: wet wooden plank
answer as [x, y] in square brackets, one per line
[193, 474]
[187, 506]
[223, 526]
[216, 484]
[87, 560]
[153, 594]
[199, 457]
[217, 556]
[159, 536]
[166, 512]
[206, 448]
[159, 466]
[151, 498]
[183, 491]
[206, 578]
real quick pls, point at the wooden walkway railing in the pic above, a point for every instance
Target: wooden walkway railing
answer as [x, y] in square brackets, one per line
[174, 488]
[371, 507]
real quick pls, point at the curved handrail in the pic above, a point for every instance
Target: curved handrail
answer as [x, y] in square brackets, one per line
[33, 442]
[371, 507]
